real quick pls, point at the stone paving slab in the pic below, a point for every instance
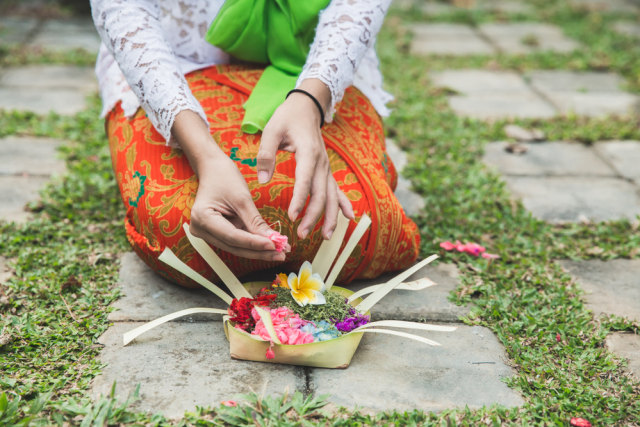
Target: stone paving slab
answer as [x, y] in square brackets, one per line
[500, 6]
[547, 158]
[412, 202]
[15, 193]
[67, 34]
[29, 155]
[572, 199]
[447, 39]
[585, 93]
[16, 30]
[485, 94]
[606, 5]
[611, 287]
[147, 296]
[627, 28]
[181, 365]
[626, 346]
[46, 88]
[430, 304]
[623, 155]
[527, 37]
[390, 373]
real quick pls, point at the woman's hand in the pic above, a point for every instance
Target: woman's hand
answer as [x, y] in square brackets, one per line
[223, 213]
[295, 127]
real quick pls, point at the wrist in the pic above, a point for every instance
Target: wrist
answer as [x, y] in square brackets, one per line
[319, 90]
[195, 140]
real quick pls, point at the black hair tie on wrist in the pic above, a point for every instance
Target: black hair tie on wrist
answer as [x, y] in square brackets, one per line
[315, 101]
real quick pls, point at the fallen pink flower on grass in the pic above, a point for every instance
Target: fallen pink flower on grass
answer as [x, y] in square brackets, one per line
[469, 248]
[229, 403]
[279, 240]
[579, 422]
[558, 337]
[487, 255]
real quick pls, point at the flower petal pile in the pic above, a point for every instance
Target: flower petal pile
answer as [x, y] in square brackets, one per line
[469, 248]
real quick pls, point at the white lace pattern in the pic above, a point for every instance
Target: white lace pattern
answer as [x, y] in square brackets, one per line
[149, 45]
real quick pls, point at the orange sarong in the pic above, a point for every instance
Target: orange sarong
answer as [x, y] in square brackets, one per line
[158, 186]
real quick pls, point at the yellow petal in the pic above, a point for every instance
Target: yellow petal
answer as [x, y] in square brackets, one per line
[317, 299]
[300, 297]
[314, 282]
[292, 280]
[305, 272]
[283, 280]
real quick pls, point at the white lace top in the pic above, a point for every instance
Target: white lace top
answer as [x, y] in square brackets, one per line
[149, 45]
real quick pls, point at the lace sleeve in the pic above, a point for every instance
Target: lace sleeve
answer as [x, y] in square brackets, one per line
[345, 31]
[131, 31]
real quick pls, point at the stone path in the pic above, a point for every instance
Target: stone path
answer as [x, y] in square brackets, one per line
[486, 94]
[187, 363]
[28, 163]
[488, 39]
[564, 181]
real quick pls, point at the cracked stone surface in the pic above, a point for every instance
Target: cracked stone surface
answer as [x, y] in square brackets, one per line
[611, 287]
[570, 182]
[527, 37]
[585, 93]
[623, 155]
[387, 373]
[447, 39]
[60, 35]
[45, 88]
[28, 163]
[626, 346]
[560, 199]
[186, 363]
[181, 365]
[485, 94]
[547, 158]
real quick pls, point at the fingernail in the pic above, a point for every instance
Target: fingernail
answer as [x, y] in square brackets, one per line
[303, 233]
[329, 234]
[263, 177]
[294, 215]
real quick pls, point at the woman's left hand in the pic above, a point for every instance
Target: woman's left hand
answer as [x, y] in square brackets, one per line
[295, 127]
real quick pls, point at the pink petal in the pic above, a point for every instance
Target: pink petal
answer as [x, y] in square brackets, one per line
[579, 422]
[270, 354]
[460, 247]
[474, 249]
[229, 403]
[447, 246]
[487, 255]
[279, 240]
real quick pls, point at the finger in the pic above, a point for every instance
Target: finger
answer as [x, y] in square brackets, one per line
[345, 205]
[266, 159]
[305, 169]
[252, 220]
[317, 202]
[331, 209]
[237, 242]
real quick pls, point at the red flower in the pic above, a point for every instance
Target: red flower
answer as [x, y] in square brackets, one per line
[240, 309]
[579, 422]
[558, 337]
[229, 403]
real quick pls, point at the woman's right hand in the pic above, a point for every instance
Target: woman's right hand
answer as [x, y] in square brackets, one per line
[223, 213]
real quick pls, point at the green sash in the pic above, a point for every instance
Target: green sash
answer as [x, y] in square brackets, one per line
[274, 32]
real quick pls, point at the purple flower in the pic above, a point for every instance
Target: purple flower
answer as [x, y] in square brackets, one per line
[351, 323]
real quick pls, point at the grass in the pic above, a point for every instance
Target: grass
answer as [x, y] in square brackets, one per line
[54, 307]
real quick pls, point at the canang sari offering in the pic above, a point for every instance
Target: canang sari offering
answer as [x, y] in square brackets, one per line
[299, 319]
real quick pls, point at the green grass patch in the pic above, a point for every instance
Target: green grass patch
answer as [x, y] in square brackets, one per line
[55, 306]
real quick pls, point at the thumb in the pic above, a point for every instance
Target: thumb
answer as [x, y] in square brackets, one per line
[252, 220]
[266, 160]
